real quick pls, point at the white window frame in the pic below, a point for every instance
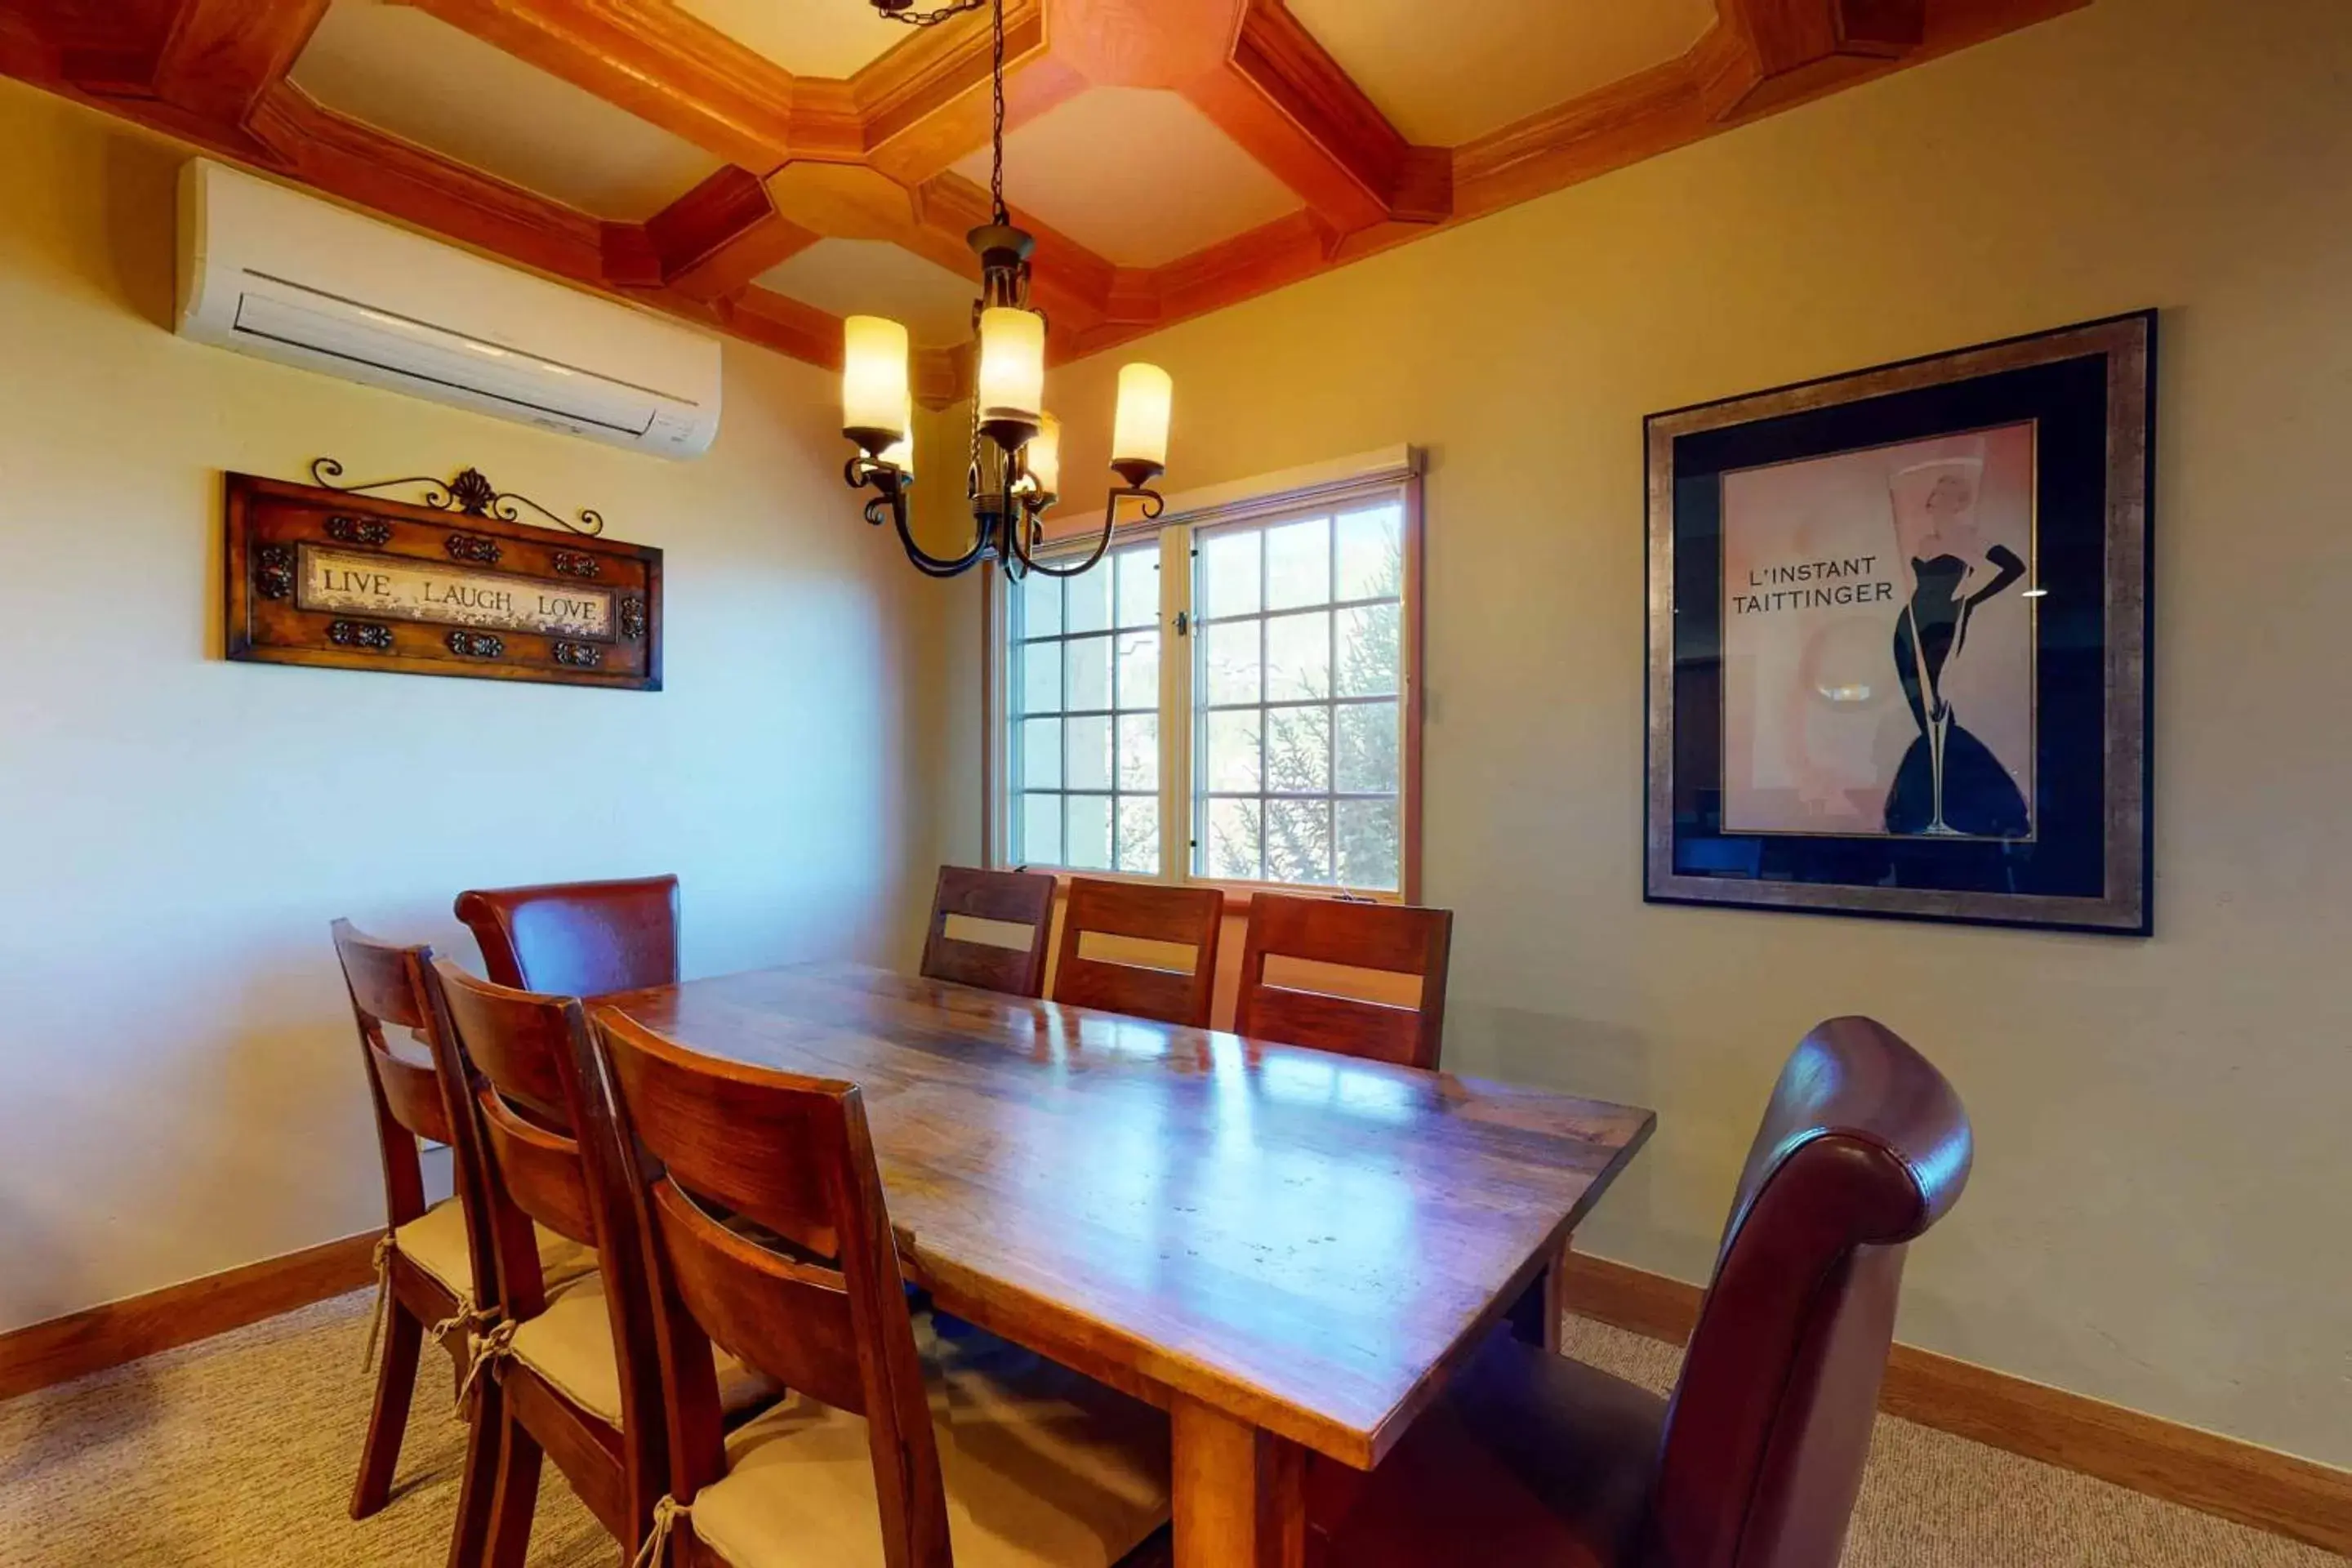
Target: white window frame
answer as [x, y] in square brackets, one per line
[1391, 473]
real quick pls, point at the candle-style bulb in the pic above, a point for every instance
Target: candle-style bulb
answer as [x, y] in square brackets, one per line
[875, 396]
[1139, 447]
[1011, 382]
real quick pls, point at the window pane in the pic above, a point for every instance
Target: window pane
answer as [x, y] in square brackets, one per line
[1086, 754]
[1371, 563]
[1298, 563]
[1086, 599]
[1370, 848]
[1041, 677]
[1139, 670]
[1299, 840]
[1040, 753]
[1369, 651]
[1089, 846]
[1089, 685]
[1368, 746]
[1298, 751]
[1229, 663]
[1138, 752]
[1229, 751]
[1139, 834]
[1139, 586]
[1228, 575]
[1229, 846]
[1298, 657]
[1041, 831]
[1041, 606]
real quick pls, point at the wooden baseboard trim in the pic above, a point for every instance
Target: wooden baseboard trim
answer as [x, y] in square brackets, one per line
[2204, 1470]
[79, 1342]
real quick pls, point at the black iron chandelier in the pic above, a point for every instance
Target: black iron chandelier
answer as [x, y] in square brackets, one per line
[1014, 473]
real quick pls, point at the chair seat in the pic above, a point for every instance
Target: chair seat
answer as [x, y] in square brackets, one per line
[1043, 1468]
[570, 1346]
[1531, 1460]
[436, 1242]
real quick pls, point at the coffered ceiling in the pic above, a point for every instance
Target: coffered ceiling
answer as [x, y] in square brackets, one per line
[766, 166]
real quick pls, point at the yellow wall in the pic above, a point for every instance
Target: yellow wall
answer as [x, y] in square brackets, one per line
[180, 1090]
[2161, 1213]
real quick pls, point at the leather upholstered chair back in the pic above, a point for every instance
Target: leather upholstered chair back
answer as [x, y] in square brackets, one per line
[577, 939]
[1864, 1146]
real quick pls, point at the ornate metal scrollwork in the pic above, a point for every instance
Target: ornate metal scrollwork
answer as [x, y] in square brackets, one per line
[477, 645]
[578, 563]
[578, 655]
[367, 532]
[632, 618]
[273, 571]
[470, 492]
[369, 635]
[473, 547]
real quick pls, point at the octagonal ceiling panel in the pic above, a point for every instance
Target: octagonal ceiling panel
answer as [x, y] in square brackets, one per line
[1136, 175]
[1449, 74]
[808, 38]
[875, 277]
[402, 71]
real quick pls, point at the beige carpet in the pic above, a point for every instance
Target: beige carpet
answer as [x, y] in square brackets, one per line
[240, 1451]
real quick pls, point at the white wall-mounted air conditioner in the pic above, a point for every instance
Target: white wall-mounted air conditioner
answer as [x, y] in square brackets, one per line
[271, 272]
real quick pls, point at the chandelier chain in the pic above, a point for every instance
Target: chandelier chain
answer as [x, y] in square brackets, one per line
[996, 129]
[928, 18]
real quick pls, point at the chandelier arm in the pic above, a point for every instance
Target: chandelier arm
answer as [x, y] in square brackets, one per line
[933, 565]
[1152, 507]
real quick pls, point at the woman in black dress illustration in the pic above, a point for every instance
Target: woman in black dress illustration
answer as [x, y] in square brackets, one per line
[1949, 783]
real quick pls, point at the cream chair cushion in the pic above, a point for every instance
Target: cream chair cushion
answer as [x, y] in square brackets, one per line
[436, 1242]
[1043, 1468]
[570, 1346]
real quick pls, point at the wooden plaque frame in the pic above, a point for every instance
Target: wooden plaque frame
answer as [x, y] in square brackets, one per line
[459, 593]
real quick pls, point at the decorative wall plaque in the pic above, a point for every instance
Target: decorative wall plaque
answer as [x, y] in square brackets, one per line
[427, 590]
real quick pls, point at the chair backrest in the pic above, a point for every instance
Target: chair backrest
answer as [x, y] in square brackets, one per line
[1000, 898]
[1385, 937]
[1140, 911]
[1864, 1146]
[768, 1234]
[387, 988]
[577, 939]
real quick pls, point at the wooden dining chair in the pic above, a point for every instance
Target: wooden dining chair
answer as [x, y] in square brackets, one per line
[1756, 1460]
[1389, 938]
[901, 1443]
[1001, 898]
[573, 1366]
[577, 939]
[434, 1267]
[1120, 978]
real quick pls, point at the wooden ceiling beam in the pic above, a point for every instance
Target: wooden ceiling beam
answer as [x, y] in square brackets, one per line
[1070, 282]
[926, 103]
[668, 67]
[721, 235]
[221, 56]
[1765, 54]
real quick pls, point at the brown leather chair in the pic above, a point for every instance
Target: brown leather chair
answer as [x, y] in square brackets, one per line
[1390, 938]
[1000, 898]
[1140, 911]
[1541, 1462]
[901, 1443]
[577, 939]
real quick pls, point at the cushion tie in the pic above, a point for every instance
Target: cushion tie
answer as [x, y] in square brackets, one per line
[385, 1247]
[494, 1346]
[656, 1552]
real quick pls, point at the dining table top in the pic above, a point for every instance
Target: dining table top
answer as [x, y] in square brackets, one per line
[1307, 1241]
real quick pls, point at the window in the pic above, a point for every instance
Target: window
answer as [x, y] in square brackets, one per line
[1230, 696]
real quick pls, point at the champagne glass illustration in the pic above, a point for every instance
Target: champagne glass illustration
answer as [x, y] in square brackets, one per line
[1952, 571]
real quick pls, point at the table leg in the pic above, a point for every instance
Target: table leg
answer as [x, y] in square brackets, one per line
[1534, 1316]
[1240, 1492]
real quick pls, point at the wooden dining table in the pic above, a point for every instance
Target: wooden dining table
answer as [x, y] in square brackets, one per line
[1286, 1249]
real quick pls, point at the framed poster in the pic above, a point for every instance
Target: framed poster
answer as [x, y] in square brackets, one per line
[1899, 625]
